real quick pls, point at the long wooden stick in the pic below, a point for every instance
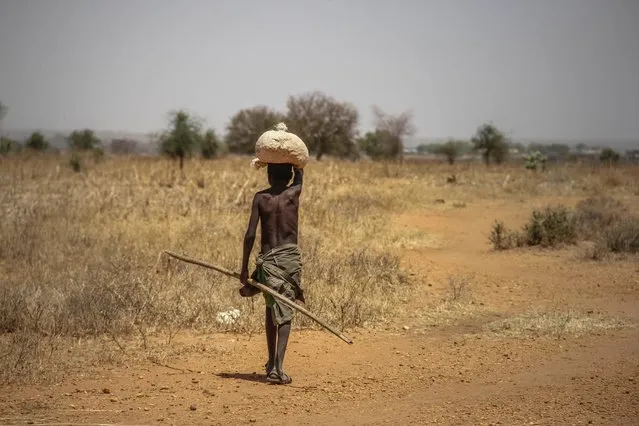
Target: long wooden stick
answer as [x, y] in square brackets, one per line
[264, 289]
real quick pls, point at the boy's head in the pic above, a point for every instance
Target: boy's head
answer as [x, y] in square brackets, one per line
[279, 173]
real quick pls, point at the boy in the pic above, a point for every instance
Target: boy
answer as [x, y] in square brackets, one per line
[279, 264]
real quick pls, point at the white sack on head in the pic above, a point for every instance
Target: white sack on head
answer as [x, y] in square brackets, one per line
[279, 146]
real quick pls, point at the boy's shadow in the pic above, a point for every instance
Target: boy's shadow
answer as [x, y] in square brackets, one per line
[249, 377]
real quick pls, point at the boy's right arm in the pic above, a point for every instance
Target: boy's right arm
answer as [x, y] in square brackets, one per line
[249, 239]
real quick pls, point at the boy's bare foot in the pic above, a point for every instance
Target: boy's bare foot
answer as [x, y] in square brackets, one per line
[268, 367]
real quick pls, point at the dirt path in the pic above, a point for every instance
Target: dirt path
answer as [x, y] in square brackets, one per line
[444, 367]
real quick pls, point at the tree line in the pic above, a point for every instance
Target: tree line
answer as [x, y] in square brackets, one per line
[328, 126]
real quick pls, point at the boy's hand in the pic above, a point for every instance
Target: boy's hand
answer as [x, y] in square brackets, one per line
[244, 276]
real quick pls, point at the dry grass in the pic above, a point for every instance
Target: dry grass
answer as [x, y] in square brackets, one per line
[79, 250]
[554, 324]
[457, 303]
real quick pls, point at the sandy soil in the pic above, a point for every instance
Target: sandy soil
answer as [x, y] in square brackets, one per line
[440, 363]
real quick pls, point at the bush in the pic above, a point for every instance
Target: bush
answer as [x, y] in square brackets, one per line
[596, 214]
[603, 220]
[609, 156]
[8, 146]
[502, 238]
[551, 227]
[623, 237]
[536, 160]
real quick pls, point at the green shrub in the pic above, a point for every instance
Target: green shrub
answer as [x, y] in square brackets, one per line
[604, 221]
[535, 160]
[550, 227]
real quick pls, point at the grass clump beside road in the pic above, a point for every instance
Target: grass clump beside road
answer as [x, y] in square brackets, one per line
[552, 323]
[602, 220]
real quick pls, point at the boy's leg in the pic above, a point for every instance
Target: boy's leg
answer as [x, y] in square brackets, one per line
[283, 332]
[271, 336]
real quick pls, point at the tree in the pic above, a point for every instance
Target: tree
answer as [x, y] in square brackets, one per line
[8, 145]
[182, 136]
[83, 140]
[451, 150]
[491, 142]
[609, 156]
[327, 126]
[37, 142]
[396, 128]
[247, 125]
[210, 145]
[374, 144]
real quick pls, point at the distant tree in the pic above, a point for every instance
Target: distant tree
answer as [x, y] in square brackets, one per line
[374, 144]
[327, 126]
[8, 146]
[246, 126]
[209, 146]
[36, 142]
[491, 142]
[609, 156]
[123, 146]
[182, 136]
[83, 140]
[397, 127]
[451, 150]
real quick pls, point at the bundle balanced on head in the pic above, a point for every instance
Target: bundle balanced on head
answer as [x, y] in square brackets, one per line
[278, 265]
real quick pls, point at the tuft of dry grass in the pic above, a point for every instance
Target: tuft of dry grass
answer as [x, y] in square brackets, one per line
[456, 304]
[553, 323]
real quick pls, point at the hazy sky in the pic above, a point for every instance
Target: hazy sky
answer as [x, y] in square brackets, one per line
[537, 68]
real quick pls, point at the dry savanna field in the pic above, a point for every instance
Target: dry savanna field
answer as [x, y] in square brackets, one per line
[473, 295]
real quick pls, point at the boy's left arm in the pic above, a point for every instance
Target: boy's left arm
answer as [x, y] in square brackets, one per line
[249, 239]
[298, 179]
